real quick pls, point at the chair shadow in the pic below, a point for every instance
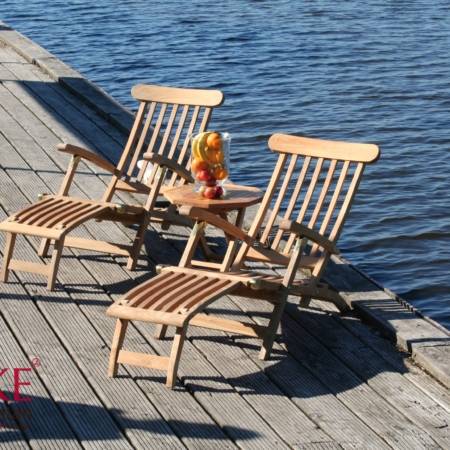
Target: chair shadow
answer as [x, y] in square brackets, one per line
[301, 366]
[41, 418]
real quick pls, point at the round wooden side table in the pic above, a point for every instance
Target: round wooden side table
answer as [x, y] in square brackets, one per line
[237, 198]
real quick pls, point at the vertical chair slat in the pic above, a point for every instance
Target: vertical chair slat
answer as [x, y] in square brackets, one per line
[161, 150]
[155, 135]
[333, 203]
[185, 146]
[126, 153]
[168, 130]
[262, 211]
[293, 200]
[306, 201]
[205, 120]
[345, 208]
[180, 128]
[133, 136]
[323, 194]
[142, 136]
[280, 198]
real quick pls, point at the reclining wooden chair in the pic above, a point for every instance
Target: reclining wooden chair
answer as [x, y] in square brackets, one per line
[296, 227]
[159, 139]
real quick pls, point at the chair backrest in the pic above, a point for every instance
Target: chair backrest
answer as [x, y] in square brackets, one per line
[314, 183]
[165, 119]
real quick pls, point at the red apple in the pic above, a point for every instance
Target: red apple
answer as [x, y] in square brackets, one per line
[213, 192]
[219, 191]
[210, 192]
[204, 175]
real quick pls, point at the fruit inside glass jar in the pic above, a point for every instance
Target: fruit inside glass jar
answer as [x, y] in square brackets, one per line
[209, 162]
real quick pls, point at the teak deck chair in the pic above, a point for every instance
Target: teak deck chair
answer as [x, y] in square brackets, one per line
[297, 226]
[159, 138]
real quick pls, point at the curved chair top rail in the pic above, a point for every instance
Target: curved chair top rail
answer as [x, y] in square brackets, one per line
[181, 96]
[318, 148]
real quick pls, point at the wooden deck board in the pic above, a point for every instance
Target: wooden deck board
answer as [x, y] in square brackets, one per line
[46, 426]
[383, 379]
[370, 398]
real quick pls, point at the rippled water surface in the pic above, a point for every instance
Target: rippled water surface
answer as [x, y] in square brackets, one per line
[376, 72]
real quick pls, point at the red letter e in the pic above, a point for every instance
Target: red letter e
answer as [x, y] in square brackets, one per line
[2, 394]
[18, 383]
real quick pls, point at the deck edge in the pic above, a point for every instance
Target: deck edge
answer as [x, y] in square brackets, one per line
[73, 81]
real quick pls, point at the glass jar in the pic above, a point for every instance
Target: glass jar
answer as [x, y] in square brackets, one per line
[210, 162]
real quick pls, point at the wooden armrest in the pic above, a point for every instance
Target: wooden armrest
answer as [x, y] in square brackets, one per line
[88, 155]
[217, 221]
[302, 231]
[170, 164]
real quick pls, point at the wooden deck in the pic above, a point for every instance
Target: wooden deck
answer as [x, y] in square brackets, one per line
[332, 382]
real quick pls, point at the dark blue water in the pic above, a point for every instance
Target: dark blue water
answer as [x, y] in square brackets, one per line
[364, 71]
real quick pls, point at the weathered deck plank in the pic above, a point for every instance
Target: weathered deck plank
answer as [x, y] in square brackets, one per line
[44, 425]
[377, 414]
[330, 384]
[383, 379]
[310, 395]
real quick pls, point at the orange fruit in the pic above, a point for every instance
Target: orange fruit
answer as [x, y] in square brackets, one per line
[220, 173]
[215, 156]
[214, 142]
[198, 165]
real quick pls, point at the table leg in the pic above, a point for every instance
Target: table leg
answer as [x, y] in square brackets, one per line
[196, 234]
[232, 243]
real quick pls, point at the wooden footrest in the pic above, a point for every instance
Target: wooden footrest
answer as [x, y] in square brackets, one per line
[176, 298]
[172, 298]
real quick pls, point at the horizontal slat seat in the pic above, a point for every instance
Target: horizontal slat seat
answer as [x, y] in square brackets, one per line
[171, 298]
[53, 215]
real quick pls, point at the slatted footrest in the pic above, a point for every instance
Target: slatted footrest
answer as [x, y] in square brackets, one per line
[171, 298]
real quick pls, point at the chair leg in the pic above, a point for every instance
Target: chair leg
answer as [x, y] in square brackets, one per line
[271, 330]
[305, 301]
[137, 244]
[7, 254]
[160, 332]
[43, 247]
[117, 342]
[175, 355]
[207, 252]
[54, 263]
